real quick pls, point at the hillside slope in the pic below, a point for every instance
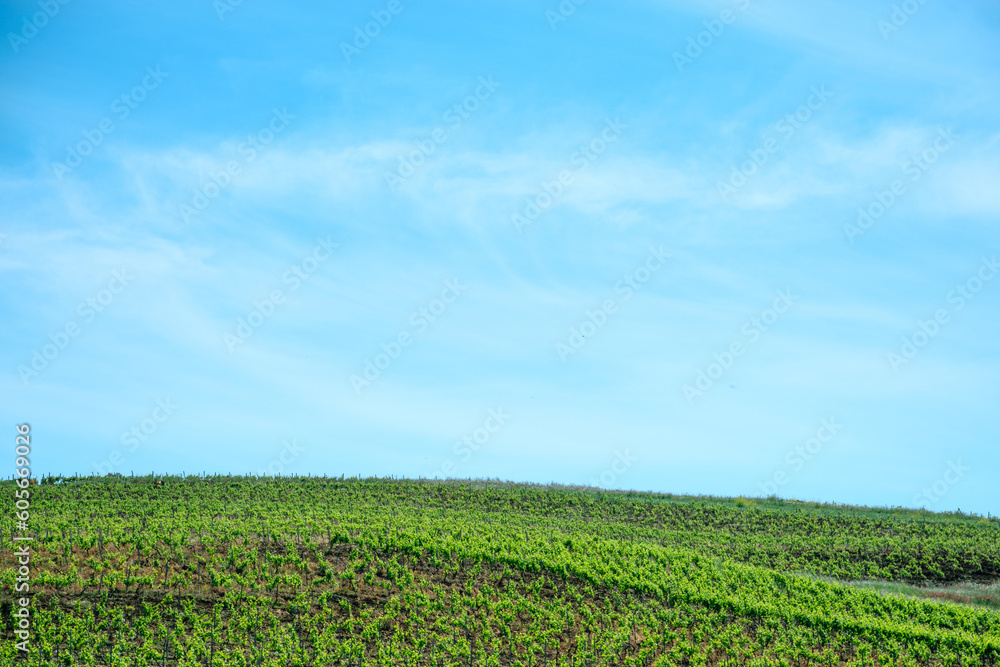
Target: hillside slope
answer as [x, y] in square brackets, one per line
[237, 571]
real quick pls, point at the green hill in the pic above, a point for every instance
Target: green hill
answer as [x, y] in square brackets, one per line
[227, 571]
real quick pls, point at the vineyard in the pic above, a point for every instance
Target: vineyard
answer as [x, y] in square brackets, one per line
[241, 571]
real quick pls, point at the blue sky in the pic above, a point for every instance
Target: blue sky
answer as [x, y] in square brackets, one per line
[261, 212]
